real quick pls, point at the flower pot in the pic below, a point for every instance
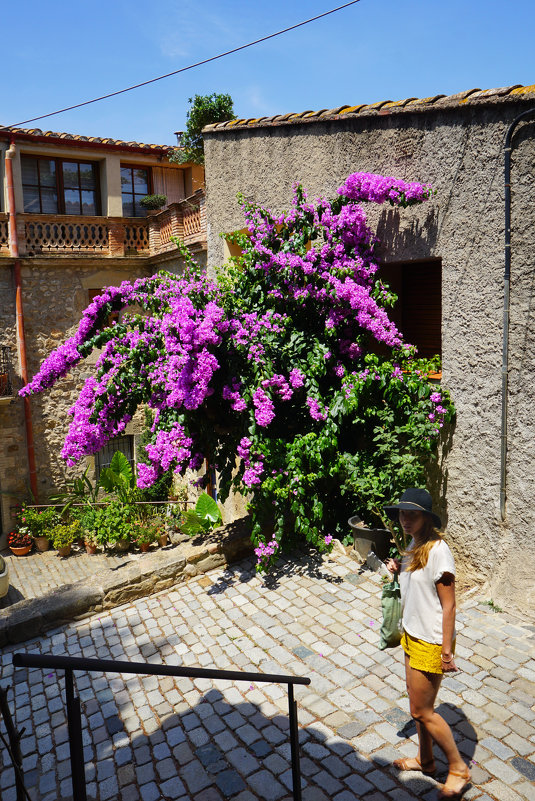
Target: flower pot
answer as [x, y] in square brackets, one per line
[42, 543]
[370, 539]
[65, 551]
[144, 547]
[122, 545]
[22, 551]
[162, 539]
[90, 547]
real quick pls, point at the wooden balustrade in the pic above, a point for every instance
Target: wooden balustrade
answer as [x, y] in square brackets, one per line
[54, 235]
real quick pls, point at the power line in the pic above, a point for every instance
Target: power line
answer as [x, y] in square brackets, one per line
[183, 69]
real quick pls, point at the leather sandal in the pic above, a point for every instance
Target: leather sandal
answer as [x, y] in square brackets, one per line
[427, 768]
[455, 795]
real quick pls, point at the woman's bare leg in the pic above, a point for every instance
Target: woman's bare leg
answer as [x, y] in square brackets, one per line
[425, 742]
[423, 689]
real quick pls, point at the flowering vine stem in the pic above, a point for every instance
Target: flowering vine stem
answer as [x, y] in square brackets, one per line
[275, 363]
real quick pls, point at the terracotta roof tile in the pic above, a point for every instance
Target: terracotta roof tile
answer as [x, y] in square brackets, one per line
[385, 106]
[63, 136]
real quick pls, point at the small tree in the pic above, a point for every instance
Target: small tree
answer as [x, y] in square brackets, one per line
[279, 364]
[205, 109]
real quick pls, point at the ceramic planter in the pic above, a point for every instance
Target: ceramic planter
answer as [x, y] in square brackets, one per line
[65, 551]
[42, 543]
[163, 540]
[144, 547]
[4, 578]
[122, 545]
[370, 539]
[90, 547]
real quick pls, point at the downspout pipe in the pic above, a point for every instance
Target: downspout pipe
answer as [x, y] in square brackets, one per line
[21, 338]
[506, 294]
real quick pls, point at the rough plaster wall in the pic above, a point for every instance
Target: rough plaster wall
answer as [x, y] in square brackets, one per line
[461, 153]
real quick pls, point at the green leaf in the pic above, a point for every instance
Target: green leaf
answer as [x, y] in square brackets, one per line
[207, 508]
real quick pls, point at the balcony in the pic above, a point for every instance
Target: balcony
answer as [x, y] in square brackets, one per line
[69, 235]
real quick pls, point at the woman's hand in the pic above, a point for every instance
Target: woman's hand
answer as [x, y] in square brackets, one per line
[448, 664]
[393, 565]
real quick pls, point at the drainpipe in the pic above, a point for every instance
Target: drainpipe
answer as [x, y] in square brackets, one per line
[21, 339]
[507, 281]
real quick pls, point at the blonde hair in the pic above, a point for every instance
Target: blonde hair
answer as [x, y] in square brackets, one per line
[419, 554]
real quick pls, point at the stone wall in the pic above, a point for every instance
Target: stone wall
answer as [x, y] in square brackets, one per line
[460, 152]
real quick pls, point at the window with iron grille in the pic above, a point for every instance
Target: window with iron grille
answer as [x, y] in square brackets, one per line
[103, 458]
[59, 186]
[6, 389]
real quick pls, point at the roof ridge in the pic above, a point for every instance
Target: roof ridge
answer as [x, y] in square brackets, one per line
[382, 107]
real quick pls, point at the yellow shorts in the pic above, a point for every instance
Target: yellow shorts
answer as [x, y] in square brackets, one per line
[424, 656]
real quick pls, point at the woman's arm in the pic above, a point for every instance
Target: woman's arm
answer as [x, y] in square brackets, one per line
[446, 593]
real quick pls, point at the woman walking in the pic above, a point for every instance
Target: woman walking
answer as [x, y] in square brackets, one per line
[427, 582]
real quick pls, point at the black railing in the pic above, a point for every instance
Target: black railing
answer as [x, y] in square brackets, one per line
[74, 718]
[6, 390]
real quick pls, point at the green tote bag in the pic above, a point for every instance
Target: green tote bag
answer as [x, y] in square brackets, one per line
[390, 634]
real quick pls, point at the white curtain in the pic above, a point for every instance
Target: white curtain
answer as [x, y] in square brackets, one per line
[168, 182]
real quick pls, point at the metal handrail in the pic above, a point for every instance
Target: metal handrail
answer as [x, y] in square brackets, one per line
[74, 719]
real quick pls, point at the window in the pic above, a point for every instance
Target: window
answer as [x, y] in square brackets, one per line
[135, 183]
[58, 186]
[418, 311]
[103, 458]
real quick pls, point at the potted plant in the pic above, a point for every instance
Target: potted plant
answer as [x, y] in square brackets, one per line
[153, 202]
[91, 542]
[145, 534]
[369, 539]
[20, 542]
[37, 522]
[63, 536]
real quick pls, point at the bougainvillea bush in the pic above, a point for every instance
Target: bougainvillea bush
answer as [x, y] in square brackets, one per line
[285, 372]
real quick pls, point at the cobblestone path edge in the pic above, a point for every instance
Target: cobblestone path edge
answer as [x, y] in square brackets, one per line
[115, 586]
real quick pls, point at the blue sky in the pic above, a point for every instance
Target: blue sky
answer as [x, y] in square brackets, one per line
[374, 50]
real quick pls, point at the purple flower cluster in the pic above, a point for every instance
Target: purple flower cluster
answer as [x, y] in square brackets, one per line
[284, 339]
[254, 465]
[266, 550]
[315, 410]
[365, 186]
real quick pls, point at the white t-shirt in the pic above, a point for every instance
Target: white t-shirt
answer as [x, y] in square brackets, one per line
[421, 607]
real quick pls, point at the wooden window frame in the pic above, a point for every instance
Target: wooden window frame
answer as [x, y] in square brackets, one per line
[132, 194]
[60, 189]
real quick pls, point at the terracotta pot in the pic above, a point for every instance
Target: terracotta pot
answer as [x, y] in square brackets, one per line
[65, 551]
[42, 543]
[90, 547]
[163, 540]
[144, 547]
[20, 551]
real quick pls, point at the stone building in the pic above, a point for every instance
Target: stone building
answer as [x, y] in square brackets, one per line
[71, 223]
[446, 259]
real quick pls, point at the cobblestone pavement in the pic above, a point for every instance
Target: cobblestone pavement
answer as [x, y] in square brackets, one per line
[36, 573]
[151, 739]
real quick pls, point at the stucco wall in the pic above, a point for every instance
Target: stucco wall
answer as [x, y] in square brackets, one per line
[459, 151]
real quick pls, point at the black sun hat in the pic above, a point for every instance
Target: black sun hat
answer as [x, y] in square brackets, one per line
[414, 499]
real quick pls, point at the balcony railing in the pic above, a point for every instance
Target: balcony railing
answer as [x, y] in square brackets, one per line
[72, 235]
